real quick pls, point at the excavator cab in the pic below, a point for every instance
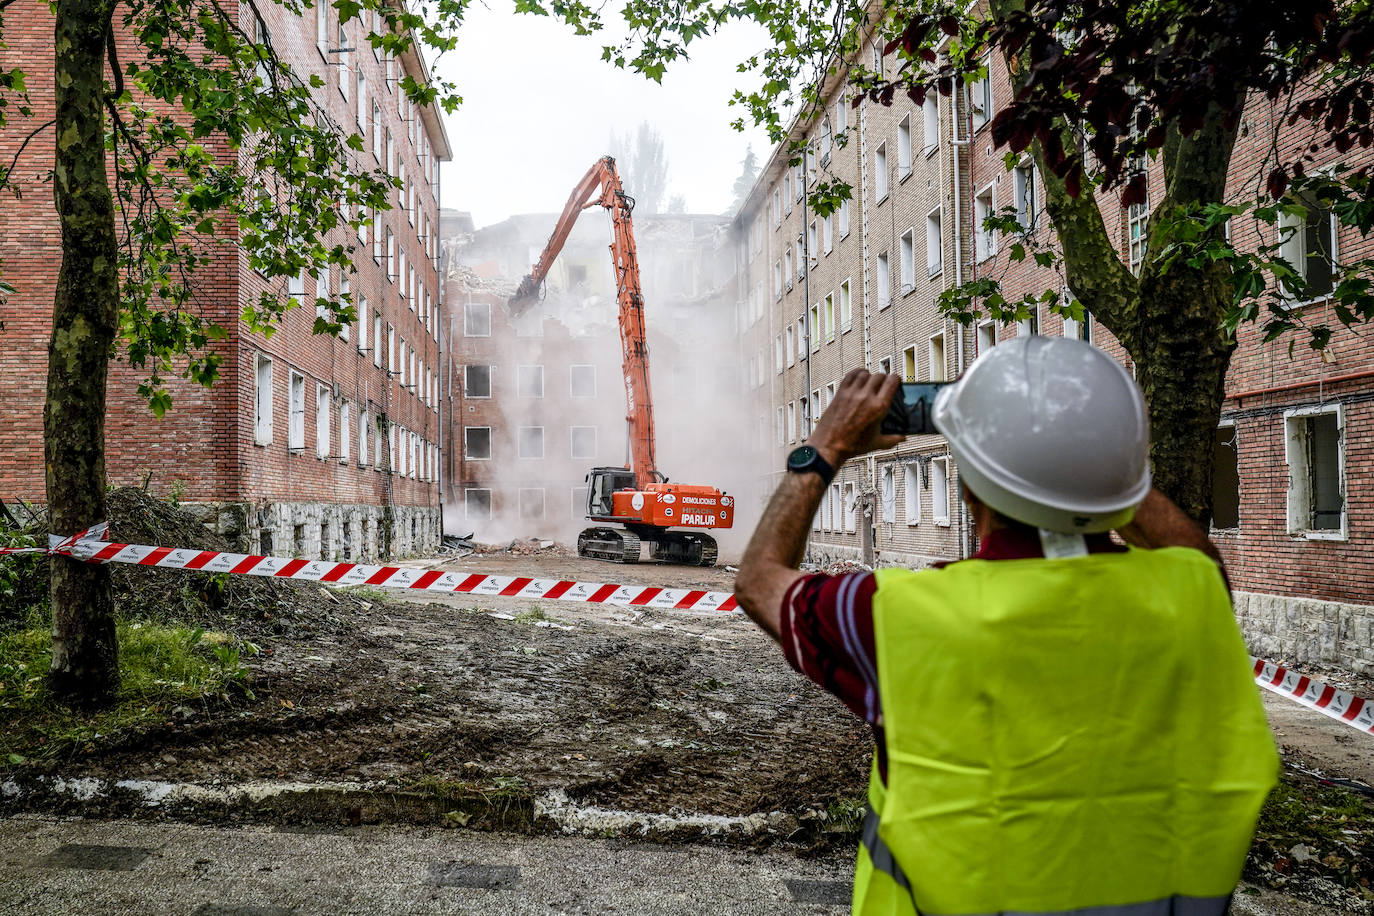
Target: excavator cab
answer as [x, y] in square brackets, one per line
[601, 484]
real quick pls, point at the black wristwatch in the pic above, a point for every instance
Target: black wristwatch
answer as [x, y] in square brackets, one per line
[805, 458]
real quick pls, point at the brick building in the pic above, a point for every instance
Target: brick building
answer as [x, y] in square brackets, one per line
[306, 445]
[534, 402]
[1295, 449]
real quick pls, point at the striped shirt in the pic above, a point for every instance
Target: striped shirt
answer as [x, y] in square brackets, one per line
[827, 626]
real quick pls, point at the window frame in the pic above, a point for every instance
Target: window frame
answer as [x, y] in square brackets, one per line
[467, 445]
[1298, 502]
[943, 463]
[262, 400]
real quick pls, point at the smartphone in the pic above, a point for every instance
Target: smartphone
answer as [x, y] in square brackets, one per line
[912, 408]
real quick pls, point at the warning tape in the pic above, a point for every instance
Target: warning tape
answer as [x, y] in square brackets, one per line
[87, 546]
[1354, 711]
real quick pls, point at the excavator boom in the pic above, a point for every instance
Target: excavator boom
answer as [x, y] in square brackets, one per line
[638, 497]
[601, 185]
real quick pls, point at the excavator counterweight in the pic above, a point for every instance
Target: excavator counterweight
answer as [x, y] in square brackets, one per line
[638, 500]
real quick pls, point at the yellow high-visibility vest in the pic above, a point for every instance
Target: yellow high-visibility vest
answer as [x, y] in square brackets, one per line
[1062, 734]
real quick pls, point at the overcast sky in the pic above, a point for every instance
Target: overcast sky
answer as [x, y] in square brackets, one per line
[539, 106]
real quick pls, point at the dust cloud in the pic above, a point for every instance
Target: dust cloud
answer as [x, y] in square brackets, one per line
[569, 341]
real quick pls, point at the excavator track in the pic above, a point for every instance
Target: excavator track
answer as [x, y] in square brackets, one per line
[685, 548]
[616, 545]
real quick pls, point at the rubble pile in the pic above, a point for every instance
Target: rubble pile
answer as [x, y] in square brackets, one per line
[249, 605]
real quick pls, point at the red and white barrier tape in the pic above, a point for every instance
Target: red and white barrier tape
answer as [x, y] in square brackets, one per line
[87, 546]
[1354, 711]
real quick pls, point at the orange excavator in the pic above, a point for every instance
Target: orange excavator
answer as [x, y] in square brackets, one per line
[638, 499]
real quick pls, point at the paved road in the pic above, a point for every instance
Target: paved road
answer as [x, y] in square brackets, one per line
[55, 866]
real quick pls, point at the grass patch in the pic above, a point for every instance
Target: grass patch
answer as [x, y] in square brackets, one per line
[161, 668]
[533, 615]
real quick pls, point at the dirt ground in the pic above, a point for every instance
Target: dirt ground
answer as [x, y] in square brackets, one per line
[626, 709]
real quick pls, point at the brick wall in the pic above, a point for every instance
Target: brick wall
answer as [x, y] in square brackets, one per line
[206, 449]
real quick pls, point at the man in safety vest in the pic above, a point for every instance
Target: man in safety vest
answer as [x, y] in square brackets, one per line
[1063, 724]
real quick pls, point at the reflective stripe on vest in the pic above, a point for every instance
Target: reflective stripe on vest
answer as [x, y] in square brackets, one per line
[879, 853]
[882, 859]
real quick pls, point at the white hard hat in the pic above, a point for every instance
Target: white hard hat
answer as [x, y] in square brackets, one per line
[1049, 431]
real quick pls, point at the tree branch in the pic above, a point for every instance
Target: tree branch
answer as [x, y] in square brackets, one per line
[14, 161]
[1092, 263]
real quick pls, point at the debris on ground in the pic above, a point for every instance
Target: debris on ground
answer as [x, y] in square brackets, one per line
[837, 567]
[1315, 841]
[527, 546]
[253, 607]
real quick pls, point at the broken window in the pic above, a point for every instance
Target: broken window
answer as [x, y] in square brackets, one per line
[889, 494]
[477, 442]
[1225, 478]
[884, 273]
[1315, 449]
[477, 503]
[846, 307]
[1029, 325]
[529, 381]
[909, 364]
[583, 442]
[880, 174]
[530, 441]
[477, 319]
[477, 381]
[582, 381]
[851, 508]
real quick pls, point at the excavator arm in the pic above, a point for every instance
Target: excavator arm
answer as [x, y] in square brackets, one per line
[601, 186]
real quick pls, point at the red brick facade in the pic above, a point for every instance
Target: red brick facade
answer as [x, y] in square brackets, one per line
[1282, 544]
[211, 449]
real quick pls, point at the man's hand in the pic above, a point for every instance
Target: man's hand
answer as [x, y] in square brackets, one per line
[851, 425]
[849, 428]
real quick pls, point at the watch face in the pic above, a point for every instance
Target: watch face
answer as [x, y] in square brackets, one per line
[801, 457]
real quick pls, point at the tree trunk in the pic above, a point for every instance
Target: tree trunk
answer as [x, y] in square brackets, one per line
[85, 666]
[1181, 361]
